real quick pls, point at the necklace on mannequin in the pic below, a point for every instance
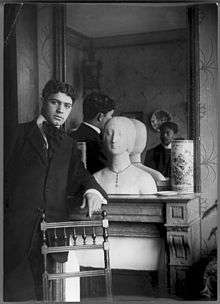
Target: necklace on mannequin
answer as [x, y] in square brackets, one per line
[117, 174]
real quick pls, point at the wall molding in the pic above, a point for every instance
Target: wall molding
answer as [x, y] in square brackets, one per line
[140, 39]
[77, 40]
[83, 42]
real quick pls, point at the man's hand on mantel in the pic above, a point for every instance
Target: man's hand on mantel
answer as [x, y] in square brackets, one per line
[93, 201]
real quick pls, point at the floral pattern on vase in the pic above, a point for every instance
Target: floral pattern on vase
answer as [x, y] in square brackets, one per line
[182, 166]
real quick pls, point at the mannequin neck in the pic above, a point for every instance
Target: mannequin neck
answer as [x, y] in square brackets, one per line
[119, 162]
[135, 157]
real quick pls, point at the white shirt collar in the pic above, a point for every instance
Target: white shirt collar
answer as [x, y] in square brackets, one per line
[93, 127]
[40, 120]
[167, 147]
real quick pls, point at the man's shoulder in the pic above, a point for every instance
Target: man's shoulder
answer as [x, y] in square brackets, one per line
[154, 152]
[23, 128]
[85, 133]
[159, 147]
[26, 124]
[156, 148]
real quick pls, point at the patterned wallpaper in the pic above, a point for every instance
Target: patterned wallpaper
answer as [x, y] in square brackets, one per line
[146, 78]
[208, 120]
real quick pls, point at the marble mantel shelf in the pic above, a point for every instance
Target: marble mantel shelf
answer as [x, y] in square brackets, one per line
[157, 197]
[180, 209]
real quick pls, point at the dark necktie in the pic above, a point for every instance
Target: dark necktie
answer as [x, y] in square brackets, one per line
[101, 136]
[54, 137]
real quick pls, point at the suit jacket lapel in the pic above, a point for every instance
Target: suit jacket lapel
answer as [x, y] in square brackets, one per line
[35, 138]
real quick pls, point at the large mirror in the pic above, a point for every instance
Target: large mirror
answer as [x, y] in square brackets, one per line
[138, 54]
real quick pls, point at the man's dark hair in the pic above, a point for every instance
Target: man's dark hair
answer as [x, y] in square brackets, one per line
[54, 86]
[95, 103]
[169, 124]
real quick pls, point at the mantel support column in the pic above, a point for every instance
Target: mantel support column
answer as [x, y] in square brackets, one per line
[183, 242]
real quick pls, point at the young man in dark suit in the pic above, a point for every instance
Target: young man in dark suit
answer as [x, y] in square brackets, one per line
[43, 168]
[159, 157]
[97, 110]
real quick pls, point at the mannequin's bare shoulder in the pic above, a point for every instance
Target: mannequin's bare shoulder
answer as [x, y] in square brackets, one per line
[147, 183]
[100, 174]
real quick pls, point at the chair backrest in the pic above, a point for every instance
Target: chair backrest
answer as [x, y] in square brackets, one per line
[53, 232]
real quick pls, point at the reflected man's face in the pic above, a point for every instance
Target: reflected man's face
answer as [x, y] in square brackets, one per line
[57, 108]
[167, 136]
[115, 137]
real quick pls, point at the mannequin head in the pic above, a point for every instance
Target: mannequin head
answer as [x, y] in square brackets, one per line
[135, 155]
[141, 137]
[119, 135]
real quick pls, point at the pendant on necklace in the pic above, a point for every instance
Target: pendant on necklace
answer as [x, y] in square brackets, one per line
[117, 175]
[116, 181]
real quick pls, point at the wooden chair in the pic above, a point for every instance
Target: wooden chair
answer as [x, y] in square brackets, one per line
[73, 228]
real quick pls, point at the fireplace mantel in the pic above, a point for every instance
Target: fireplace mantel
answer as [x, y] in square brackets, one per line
[176, 218]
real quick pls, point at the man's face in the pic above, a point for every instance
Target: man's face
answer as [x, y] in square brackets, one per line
[115, 138]
[167, 136]
[106, 118]
[57, 108]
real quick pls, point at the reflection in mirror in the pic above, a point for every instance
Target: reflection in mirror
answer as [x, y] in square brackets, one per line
[135, 53]
[162, 182]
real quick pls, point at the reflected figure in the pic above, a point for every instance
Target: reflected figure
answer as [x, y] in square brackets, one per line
[121, 176]
[97, 110]
[135, 155]
[159, 157]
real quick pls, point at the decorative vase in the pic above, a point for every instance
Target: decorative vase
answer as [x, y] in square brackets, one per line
[182, 166]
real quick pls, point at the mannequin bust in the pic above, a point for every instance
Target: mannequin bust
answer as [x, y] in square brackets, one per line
[121, 176]
[138, 148]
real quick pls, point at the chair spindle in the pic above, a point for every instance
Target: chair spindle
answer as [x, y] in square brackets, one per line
[93, 235]
[74, 236]
[84, 236]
